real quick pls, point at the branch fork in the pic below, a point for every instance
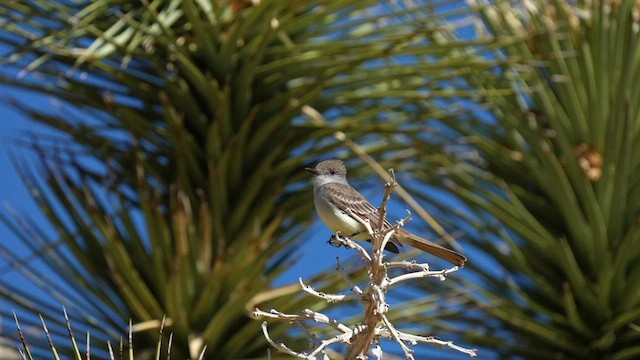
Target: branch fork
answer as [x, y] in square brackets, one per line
[363, 339]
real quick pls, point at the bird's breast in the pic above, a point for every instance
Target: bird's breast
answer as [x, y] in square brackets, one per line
[336, 219]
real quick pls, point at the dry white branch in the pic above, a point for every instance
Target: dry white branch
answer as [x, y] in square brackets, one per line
[332, 298]
[440, 274]
[395, 334]
[409, 265]
[376, 351]
[414, 339]
[346, 242]
[364, 338]
[306, 315]
[281, 346]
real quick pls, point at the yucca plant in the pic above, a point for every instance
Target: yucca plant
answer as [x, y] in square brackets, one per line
[552, 186]
[173, 185]
[120, 350]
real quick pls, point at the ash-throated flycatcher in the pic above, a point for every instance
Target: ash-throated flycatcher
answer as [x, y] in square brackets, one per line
[333, 195]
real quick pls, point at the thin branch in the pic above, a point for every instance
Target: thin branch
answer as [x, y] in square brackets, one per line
[440, 274]
[307, 315]
[388, 189]
[364, 338]
[331, 298]
[408, 353]
[281, 346]
[414, 339]
[346, 242]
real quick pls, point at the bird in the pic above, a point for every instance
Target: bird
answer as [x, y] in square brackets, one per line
[336, 203]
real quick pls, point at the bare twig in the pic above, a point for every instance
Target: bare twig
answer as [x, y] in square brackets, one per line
[281, 346]
[440, 274]
[327, 297]
[364, 338]
[388, 189]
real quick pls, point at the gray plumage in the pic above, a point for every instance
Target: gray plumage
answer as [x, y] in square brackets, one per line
[333, 195]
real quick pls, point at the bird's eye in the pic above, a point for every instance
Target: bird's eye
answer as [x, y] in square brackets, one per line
[333, 172]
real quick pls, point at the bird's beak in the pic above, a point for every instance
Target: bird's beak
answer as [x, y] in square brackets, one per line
[312, 170]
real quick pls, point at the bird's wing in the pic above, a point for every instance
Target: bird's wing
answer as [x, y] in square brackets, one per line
[345, 197]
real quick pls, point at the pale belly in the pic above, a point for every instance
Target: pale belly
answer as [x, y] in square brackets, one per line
[337, 220]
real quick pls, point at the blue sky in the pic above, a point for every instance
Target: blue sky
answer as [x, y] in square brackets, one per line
[12, 192]
[314, 257]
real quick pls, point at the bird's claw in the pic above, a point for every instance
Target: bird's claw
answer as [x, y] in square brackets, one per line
[334, 241]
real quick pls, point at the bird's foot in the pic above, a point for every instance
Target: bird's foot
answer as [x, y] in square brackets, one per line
[334, 241]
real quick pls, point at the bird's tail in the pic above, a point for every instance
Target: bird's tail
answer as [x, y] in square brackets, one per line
[427, 246]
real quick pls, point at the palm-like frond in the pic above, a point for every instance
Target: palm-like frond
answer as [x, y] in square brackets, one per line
[557, 183]
[174, 188]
